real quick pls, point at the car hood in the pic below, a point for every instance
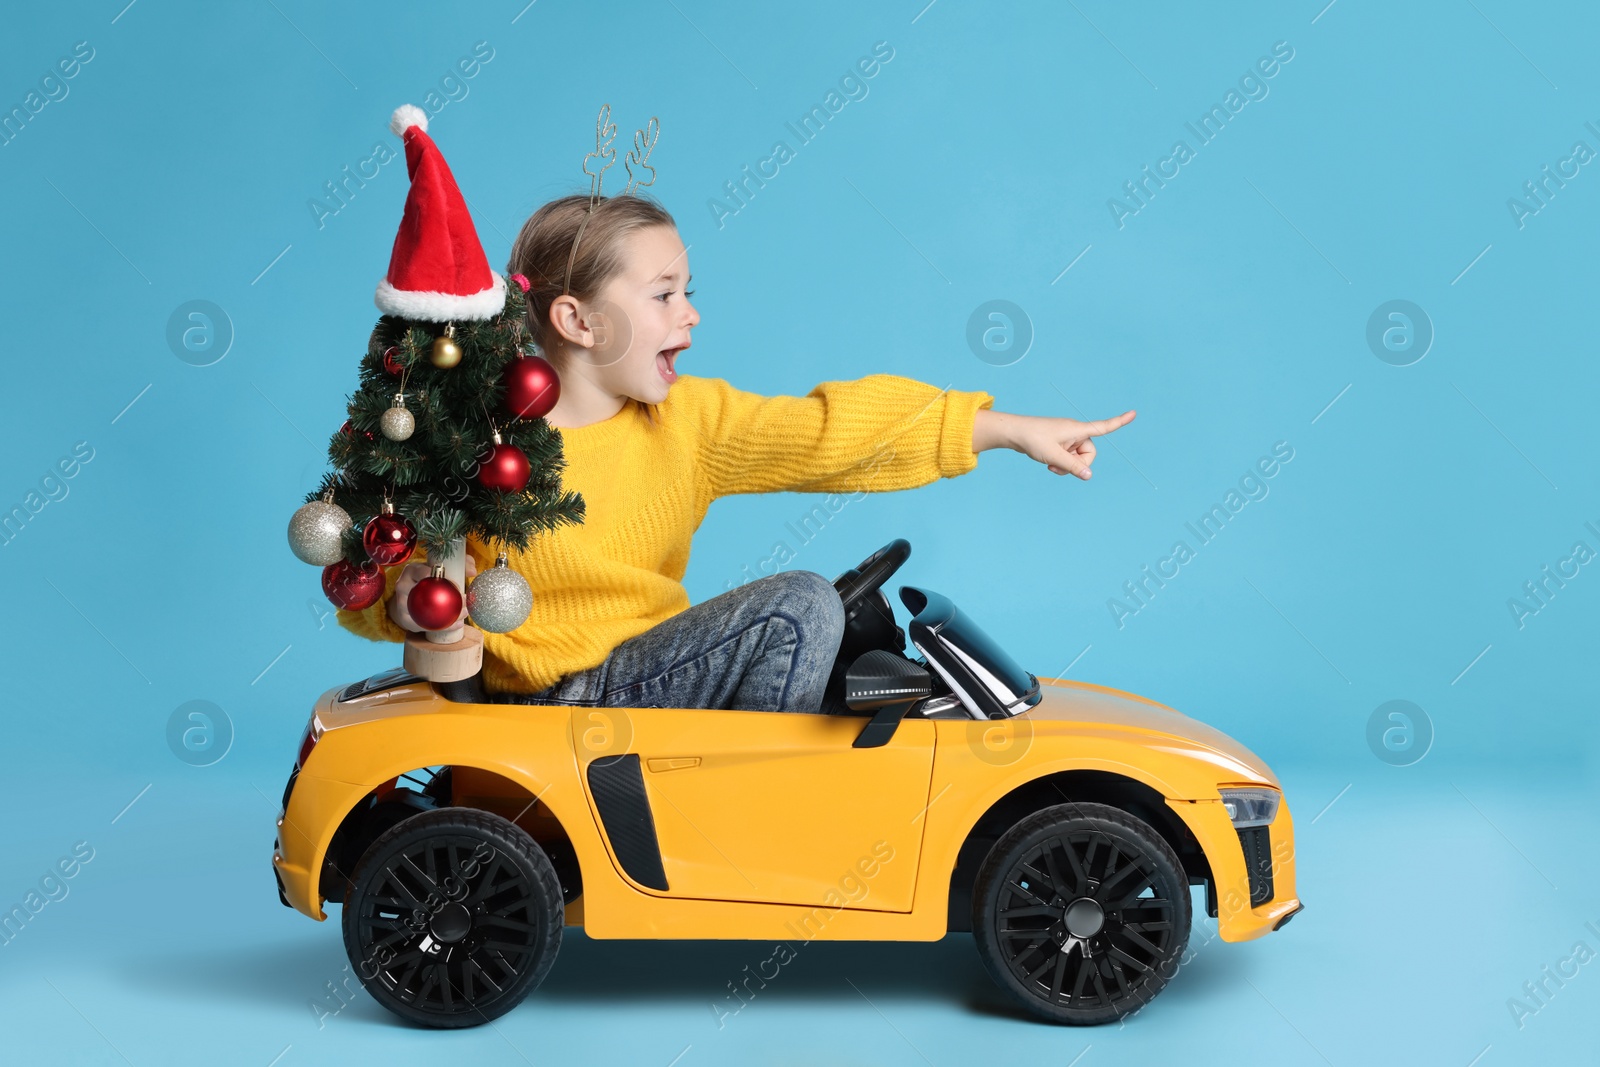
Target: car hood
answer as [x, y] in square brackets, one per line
[1079, 704]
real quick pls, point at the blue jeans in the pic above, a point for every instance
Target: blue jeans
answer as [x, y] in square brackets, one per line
[768, 645]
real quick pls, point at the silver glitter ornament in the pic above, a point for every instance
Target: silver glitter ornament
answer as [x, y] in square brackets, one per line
[397, 423]
[315, 531]
[499, 599]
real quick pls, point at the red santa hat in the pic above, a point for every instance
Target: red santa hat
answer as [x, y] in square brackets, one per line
[437, 272]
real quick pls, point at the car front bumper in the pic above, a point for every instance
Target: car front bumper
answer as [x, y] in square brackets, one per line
[1253, 894]
[312, 803]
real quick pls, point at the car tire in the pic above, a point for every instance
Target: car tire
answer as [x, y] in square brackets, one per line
[1064, 927]
[452, 917]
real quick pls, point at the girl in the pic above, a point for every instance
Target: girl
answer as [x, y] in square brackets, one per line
[649, 450]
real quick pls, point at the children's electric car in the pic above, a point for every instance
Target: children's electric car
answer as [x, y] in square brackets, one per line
[1062, 823]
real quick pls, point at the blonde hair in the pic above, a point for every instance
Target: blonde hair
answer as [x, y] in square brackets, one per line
[543, 245]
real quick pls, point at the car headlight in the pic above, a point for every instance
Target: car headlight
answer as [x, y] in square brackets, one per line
[1250, 807]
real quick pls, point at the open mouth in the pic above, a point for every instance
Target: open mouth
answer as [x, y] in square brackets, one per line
[664, 363]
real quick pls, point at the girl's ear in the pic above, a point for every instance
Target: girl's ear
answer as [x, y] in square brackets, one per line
[566, 318]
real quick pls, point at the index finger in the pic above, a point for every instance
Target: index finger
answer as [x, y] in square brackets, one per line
[1105, 426]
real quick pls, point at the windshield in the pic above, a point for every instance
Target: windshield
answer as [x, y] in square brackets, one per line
[976, 668]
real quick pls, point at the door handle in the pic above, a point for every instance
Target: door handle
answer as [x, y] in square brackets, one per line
[672, 763]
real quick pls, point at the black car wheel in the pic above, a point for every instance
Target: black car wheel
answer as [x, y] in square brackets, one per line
[1081, 912]
[453, 916]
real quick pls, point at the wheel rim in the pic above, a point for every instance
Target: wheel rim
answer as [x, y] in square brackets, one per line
[447, 925]
[1084, 922]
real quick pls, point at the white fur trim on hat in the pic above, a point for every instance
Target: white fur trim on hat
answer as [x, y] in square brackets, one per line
[406, 116]
[441, 307]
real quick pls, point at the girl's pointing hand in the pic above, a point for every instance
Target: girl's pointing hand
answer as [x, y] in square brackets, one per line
[1064, 446]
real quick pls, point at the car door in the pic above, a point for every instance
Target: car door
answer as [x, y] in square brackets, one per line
[775, 807]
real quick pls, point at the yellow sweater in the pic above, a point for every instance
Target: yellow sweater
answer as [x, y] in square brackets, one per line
[646, 487]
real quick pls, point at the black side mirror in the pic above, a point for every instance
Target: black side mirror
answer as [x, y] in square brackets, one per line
[890, 684]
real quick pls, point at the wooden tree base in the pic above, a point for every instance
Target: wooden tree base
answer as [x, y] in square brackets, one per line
[445, 663]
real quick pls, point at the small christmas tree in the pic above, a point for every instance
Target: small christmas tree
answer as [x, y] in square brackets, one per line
[430, 435]
[446, 437]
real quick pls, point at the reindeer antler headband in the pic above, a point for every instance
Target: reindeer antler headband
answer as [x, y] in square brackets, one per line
[637, 162]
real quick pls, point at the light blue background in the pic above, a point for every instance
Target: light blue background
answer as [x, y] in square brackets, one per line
[1230, 311]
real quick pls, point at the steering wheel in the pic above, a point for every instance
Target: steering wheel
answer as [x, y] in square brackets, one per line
[868, 618]
[858, 583]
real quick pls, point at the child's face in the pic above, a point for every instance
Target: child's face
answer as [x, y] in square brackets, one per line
[641, 319]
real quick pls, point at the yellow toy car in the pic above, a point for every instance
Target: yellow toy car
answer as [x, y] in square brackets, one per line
[1062, 823]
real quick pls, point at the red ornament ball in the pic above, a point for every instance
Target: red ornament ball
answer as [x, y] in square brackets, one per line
[532, 387]
[352, 587]
[391, 360]
[349, 431]
[389, 539]
[506, 470]
[435, 603]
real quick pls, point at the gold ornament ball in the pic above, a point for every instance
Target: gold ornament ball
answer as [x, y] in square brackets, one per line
[446, 353]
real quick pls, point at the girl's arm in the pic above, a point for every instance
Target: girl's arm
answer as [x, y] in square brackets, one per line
[1065, 446]
[875, 434]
